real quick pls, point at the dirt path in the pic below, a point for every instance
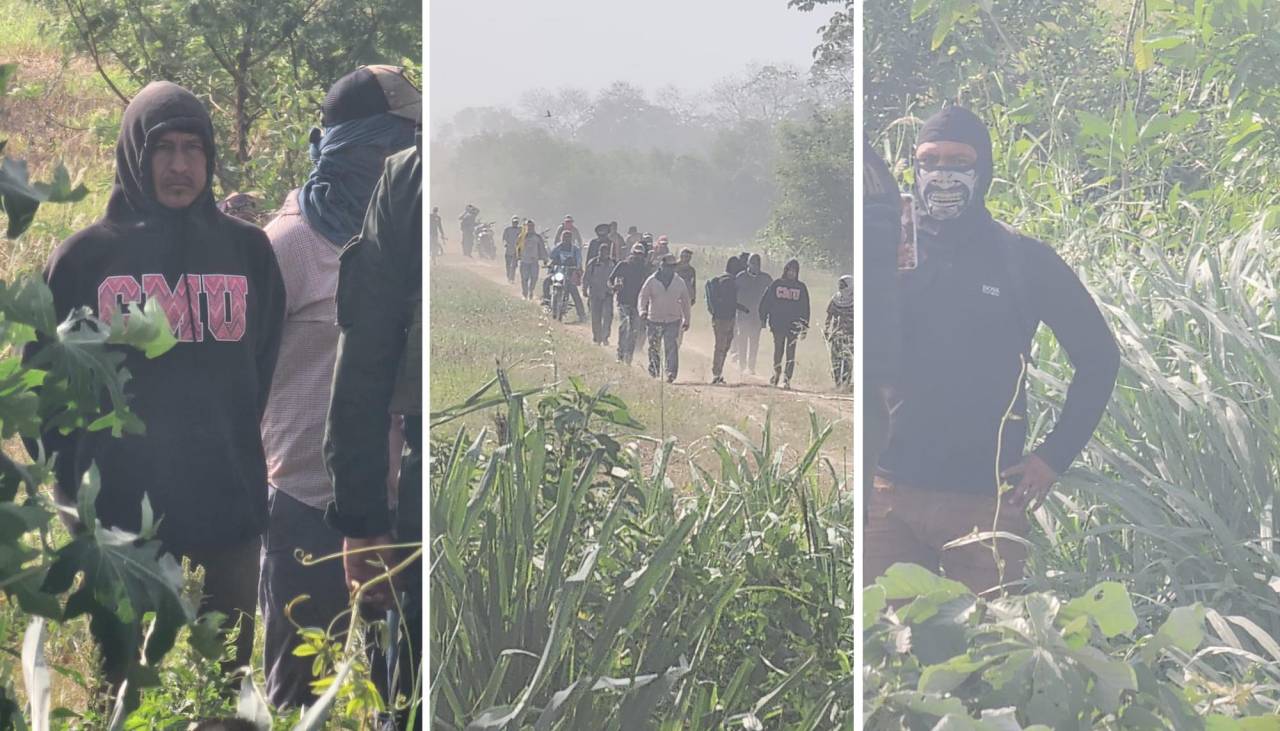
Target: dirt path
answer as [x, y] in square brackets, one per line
[695, 356]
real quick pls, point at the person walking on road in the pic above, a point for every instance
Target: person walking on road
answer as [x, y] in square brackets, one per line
[627, 279]
[618, 245]
[510, 236]
[437, 232]
[467, 220]
[664, 305]
[785, 310]
[752, 284]
[722, 303]
[595, 286]
[838, 332]
[530, 250]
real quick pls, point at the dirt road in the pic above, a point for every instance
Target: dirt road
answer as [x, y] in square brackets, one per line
[696, 355]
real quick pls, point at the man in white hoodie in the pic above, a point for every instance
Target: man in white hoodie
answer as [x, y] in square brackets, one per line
[665, 305]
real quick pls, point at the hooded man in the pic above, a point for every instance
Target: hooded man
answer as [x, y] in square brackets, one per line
[510, 236]
[970, 311]
[838, 332]
[785, 310]
[752, 284]
[595, 287]
[368, 115]
[722, 303]
[633, 237]
[664, 305]
[200, 463]
[627, 279]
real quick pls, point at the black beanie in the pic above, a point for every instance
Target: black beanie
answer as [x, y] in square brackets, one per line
[957, 124]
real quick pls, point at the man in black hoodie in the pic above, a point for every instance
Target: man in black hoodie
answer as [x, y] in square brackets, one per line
[785, 310]
[970, 311]
[201, 461]
[627, 279]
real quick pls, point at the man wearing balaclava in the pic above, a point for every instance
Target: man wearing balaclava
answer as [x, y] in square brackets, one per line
[784, 309]
[970, 311]
[368, 115]
[200, 463]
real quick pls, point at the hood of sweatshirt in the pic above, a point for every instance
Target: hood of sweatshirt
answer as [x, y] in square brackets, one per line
[159, 108]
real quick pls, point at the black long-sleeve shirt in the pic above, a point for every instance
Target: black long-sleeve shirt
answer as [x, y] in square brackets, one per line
[379, 290]
[969, 311]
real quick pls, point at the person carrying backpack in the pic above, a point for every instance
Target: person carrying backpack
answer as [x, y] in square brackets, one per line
[838, 332]
[970, 311]
[722, 303]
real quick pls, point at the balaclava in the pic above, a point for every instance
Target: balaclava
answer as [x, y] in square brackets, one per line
[948, 193]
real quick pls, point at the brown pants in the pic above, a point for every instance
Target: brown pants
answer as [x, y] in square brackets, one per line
[909, 525]
[723, 330]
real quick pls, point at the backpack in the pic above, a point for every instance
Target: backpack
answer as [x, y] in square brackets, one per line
[709, 294]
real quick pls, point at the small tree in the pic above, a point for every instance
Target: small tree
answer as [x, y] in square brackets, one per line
[238, 54]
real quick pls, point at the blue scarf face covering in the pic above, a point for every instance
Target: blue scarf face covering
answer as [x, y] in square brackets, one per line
[349, 160]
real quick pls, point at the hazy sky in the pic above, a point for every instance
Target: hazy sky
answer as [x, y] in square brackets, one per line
[488, 52]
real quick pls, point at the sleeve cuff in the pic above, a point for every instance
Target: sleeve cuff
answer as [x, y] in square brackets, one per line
[1058, 462]
[358, 526]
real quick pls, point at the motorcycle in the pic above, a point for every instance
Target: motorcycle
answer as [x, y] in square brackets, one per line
[559, 291]
[485, 245]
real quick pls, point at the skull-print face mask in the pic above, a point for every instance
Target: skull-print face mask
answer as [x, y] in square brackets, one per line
[945, 192]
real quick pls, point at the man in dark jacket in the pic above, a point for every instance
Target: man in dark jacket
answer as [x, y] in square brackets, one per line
[627, 279]
[368, 115]
[970, 311]
[379, 374]
[510, 236]
[601, 240]
[784, 309]
[722, 302]
[200, 463]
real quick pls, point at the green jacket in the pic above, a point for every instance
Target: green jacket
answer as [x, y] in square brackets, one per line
[379, 365]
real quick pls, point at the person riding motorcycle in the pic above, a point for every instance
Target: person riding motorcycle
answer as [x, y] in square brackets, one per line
[566, 258]
[485, 246]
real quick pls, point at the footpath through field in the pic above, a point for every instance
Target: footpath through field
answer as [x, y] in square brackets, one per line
[477, 317]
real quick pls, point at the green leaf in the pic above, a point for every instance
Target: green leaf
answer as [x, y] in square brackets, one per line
[873, 603]
[1109, 605]
[146, 328]
[947, 676]
[908, 581]
[1143, 59]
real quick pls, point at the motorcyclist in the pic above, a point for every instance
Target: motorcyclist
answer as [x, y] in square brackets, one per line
[510, 235]
[568, 258]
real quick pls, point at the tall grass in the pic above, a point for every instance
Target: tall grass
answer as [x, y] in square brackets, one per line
[575, 586]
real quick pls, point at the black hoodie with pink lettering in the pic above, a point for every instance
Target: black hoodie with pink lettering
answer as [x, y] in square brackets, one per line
[201, 461]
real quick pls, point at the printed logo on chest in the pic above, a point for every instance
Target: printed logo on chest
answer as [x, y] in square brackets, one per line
[225, 297]
[787, 293]
[990, 290]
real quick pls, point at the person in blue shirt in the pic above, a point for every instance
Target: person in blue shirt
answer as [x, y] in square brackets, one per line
[566, 255]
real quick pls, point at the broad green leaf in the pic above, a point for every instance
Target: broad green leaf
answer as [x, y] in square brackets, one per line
[946, 677]
[908, 581]
[145, 328]
[1108, 604]
[873, 603]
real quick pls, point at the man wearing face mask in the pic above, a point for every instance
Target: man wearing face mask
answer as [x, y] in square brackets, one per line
[368, 115]
[970, 311]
